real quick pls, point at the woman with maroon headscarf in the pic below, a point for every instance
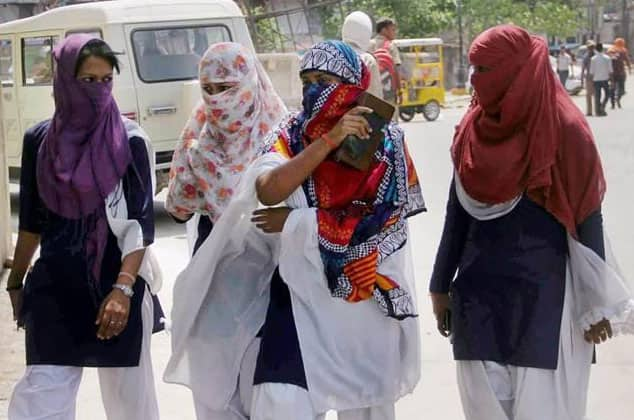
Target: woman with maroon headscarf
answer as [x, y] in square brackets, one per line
[86, 199]
[524, 232]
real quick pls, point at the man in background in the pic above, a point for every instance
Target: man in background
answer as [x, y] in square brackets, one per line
[383, 46]
[601, 72]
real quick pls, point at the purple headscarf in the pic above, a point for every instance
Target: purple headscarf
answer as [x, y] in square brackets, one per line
[86, 151]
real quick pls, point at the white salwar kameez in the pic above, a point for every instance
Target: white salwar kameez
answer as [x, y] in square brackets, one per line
[595, 290]
[49, 392]
[354, 356]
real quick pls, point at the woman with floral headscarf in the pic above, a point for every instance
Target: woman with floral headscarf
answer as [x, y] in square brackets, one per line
[534, 290]
[86, 198]
[329, 283]
[224, 135]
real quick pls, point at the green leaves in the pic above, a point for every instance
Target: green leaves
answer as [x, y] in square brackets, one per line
[415, 18]
[425, 18]
[553, 18]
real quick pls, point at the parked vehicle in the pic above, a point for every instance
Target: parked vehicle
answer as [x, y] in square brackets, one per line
[160, 41]
[422, 82]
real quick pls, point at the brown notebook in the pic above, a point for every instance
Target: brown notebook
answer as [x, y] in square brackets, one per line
[359, 153]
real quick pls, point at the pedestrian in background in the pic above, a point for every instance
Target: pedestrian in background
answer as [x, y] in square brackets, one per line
[564, 65]
[586, 77]
[86, 198]
[620, 59]
[357, 31]
[601, 72]
[389, 59]
[223, 136]
[521, 263]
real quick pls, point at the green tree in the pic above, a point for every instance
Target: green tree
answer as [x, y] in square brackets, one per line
[421, 18]
[416, 18]
[550, 17]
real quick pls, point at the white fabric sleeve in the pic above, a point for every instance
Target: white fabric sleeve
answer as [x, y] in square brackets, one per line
[600, 290]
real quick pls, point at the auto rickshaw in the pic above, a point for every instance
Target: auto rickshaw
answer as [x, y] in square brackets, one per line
[422, 77]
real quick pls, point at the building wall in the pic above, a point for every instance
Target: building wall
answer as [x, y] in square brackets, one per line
[9, 12]
[5, 221]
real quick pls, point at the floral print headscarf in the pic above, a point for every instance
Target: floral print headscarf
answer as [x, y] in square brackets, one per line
[225, 133]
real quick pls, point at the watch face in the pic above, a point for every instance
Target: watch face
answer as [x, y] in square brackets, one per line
[125, 289]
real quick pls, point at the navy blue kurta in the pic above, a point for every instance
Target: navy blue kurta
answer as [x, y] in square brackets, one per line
[507, 297]
[60, 308]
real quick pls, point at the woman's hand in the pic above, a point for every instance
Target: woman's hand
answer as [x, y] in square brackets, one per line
[599, 332]
[16, 303]
[440, 302]
[113, 315]
[271, 220]
[352, 123]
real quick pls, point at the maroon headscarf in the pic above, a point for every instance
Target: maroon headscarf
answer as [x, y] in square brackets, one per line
[523, 133]
[85, 152]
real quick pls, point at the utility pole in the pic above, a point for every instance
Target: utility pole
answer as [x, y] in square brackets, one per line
[625, 21]
[591, 14]
[461, 64]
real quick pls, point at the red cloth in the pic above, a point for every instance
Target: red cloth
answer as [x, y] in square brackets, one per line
[523, 134]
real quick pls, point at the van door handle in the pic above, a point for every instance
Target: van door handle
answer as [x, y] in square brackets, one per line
[162, 110]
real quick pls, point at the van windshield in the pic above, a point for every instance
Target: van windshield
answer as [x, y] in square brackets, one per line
[173, 54]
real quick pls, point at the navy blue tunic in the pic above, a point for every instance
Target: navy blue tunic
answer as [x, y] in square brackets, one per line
[60, 308]
[280, 357]
[507, 297]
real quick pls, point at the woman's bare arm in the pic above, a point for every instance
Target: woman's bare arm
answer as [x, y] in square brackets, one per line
[24, 250]
[278, 184]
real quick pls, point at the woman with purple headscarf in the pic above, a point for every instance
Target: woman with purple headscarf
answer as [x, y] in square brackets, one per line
[86, 198]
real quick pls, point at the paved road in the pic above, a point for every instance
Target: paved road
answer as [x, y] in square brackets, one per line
[436, 397]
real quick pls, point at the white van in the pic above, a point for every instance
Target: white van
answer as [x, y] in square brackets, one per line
[161, 42]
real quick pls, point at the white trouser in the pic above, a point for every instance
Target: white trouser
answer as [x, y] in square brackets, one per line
[240, 405]
[49, 392]
[491, 391]
[273, 401]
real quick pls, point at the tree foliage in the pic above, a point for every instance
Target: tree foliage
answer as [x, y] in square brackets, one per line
[416, 18]
[553, 18]
[421, 18]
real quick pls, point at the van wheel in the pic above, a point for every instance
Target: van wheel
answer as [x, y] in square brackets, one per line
[406, 114]
[431, 110]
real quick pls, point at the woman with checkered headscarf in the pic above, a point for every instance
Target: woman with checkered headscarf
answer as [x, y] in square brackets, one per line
[330, 271]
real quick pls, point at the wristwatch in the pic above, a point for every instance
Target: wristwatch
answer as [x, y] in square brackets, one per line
[127, 290]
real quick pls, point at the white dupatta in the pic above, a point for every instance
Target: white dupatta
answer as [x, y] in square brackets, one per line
[128, 232]
[353, 355]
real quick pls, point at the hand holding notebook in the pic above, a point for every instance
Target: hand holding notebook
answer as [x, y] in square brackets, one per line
[357, 152]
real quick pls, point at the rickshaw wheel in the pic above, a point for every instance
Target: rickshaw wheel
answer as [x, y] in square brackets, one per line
[431, 110]
[406, 114]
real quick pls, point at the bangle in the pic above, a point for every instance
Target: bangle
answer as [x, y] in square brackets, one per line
[128, 275]
[331, 144]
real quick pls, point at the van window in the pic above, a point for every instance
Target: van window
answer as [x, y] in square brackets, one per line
[172, 54]
[6, 62]
[37, 60]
